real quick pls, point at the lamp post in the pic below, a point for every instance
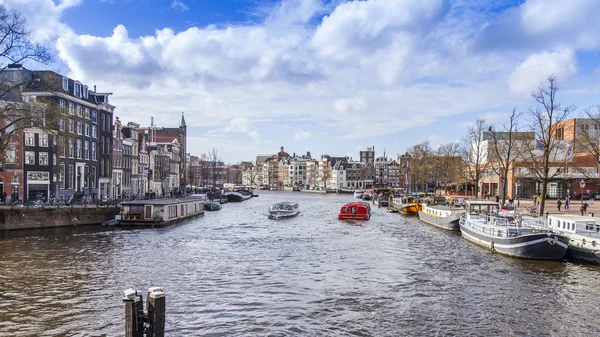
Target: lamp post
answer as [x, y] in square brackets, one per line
[582, 185]
[517, 194]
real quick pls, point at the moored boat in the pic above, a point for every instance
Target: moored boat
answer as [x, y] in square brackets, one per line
[355, 210]
[438, 213]
[238, 195]
[406, 204]
[381, 198]
[283, 210]
[159, 212]
[358, 194]
[212, 206]
[482, 225]
[583, 234]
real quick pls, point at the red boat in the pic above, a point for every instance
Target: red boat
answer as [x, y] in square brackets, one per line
[355, 210]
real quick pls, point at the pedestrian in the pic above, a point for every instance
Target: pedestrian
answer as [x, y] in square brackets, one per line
[497, 198]
[518, 201]
[582, 209]
[538, 199]
[585, 207]
[592, 200]
[558, 204]
[567, 204]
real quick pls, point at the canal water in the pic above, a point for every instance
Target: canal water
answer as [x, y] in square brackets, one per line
[236, 273]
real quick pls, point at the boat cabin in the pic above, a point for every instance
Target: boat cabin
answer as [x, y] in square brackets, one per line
[284, 206]
[574, 224]
[355, 210]
[482, 207]
[154, 211]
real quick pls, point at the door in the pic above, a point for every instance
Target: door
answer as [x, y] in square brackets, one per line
[148, 212]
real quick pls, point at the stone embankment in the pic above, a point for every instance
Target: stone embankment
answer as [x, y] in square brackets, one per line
[12, 218]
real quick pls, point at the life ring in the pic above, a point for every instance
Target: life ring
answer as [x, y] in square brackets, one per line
[552, 242]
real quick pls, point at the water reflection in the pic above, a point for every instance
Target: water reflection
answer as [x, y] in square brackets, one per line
[235, 272]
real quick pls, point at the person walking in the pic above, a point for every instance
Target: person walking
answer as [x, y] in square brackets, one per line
[567, 204]
[585, 207]
[558, 204]
[537, 200]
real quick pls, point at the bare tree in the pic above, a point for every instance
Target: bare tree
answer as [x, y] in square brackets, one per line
[213, 157]
[420, 164]
[15, 48]
[474, 156]
[447, 165]
[507, 145]
[587, 139]
[543, 122]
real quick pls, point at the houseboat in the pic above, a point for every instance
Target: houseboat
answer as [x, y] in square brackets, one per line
[441, 214]
[482, 225]
[355, 210]
[159, 212]
[406, 204]
[583, 234]
[283, 210]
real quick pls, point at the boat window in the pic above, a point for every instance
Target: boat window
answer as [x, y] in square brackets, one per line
[573, 226]
[589, 227]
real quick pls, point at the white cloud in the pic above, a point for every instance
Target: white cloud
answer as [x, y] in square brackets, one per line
[537, 67]
[349, 104]
[179, 5]
[43, 17]
[302, 135]
[242, 125]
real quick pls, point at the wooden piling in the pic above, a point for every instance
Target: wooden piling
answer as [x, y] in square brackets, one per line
[155, 306]
[134, 322]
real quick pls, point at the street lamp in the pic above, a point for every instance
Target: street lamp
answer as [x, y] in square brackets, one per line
[582, 185]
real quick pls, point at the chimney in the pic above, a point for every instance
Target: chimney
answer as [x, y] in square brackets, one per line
[94, 88]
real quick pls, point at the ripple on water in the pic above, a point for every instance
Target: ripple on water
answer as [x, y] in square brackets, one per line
[237, 273]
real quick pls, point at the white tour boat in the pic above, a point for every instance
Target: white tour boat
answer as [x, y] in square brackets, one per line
[282, 210]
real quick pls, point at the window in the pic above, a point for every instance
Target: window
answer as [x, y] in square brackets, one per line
[78, 149]
[94, 131]
[70, 151]
[102, 167]
[86, 113]
[65, 83]
[108, 123]
[77, 91]
[79, 128]
[43, 139]
[86, 150]
[62, 105]
[79, 113]
[29, 157]
[44, 158]
[93, 176]
[85, 92]
[61, 177]
[71, 126]
[61, 124]
[71, 175]
[86, 130]
[11, 154]
[102, 122]
[29, 139]
[71, 108]
[94, 116]
[94, 157]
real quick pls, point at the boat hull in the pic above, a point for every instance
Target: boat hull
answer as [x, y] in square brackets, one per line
[583, 254]
[450, 223]
[540, 246]
[410, 209]
[237, 197]
[354, 216]
[282, 215]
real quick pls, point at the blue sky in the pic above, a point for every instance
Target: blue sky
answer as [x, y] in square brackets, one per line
[329, 77]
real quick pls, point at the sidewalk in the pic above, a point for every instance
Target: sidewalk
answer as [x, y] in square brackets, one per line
[573, 207]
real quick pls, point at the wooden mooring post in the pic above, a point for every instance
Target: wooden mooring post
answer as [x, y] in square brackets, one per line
[140, 323]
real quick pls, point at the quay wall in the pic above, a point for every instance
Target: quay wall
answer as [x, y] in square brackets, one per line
[27, 218]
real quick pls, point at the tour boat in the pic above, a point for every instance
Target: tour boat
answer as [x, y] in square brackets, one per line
[482, 225]
[358, 194]
[282, 210]
[406, 204]
[355, 210]
[583, 234]
[159, 212]
[438, 213]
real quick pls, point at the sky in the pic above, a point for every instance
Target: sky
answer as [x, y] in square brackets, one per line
[330, 77]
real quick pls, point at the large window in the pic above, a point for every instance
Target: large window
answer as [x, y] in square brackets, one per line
[86, 113]
[61, 177]
[93, 177]
[77, 90]
[43, 139]
[86, 150]
[94, 131]
[11, 154]
[62, 105]
[79, 113]
[29, 157]
[94, 116]
[71, 175]
[71, 126]
[79, 128]
[61, 124]
[85, 93]
[70, 148]
[86, 130]
[94, 157]
[65, 83]
[71, 108]
[44, 158]
[29, 139]
[79, 149]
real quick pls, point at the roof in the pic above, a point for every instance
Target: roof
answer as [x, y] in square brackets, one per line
[158, 201]
[182, 121]
[573, 218]
[481, 202]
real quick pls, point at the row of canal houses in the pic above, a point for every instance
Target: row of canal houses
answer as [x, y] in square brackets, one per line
[92, 155]
[285, 171]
